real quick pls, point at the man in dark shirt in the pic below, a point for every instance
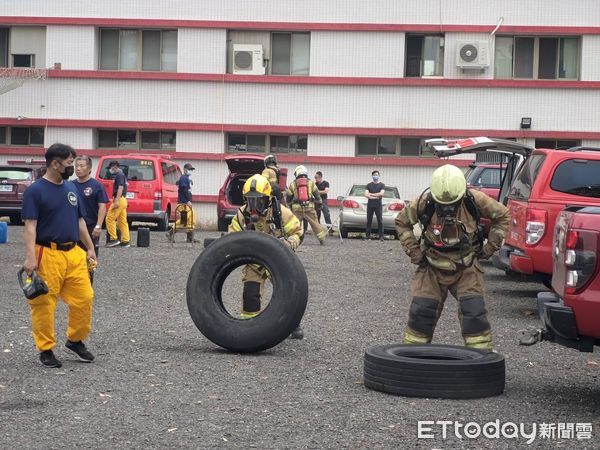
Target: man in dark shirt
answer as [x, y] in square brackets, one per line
[92, 196]
[118, 209]
[323, 187]
[184, 200]
[374, 193]
[53, 225]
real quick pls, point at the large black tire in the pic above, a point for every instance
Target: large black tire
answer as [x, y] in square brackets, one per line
[284, 311]
[222, 224]
[434, 371]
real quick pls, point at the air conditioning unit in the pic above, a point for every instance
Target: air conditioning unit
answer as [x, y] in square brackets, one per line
[472, 54]
[248, 59]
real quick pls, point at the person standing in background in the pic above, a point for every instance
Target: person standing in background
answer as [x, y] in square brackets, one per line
[323, 187]
[118, 208]
[374, 192]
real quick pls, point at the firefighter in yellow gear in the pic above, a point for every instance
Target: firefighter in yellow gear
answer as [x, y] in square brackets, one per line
[272, 173]
[261, 212]
[54, 223]
[448, 253]
[305, 209]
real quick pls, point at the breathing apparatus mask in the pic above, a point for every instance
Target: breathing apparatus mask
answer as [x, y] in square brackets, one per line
[447, 213]
[258, 206]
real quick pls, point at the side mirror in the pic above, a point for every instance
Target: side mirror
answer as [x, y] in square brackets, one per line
[340, 198]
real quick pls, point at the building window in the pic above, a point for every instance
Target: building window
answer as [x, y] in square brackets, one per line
[557, 144]
[262, 143]
[154, 50]
[23, 60]
[424, 56]
[30, 136]
[290, 53]
[544, 58]
[137, 139]
[3, 47]
[388, 146]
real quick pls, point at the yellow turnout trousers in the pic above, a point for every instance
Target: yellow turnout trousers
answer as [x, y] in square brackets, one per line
[118, 217]
[67, 277]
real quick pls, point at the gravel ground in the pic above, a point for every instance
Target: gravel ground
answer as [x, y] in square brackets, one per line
[158, 383]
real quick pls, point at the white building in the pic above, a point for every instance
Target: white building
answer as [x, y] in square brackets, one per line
[348, 86]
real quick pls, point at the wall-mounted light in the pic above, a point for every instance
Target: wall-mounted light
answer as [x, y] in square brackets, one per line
[525, 122]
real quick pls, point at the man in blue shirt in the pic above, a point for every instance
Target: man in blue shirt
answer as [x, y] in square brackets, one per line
[92, 196]
[117, 214]
[184, 200]
[53, 225]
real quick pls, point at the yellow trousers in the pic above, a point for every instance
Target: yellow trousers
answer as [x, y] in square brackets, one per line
[67, 277]
[118, 217]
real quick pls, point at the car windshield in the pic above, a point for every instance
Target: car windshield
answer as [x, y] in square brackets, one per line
[358, 190]
[578, 177]
[16, 174]
[134, 169]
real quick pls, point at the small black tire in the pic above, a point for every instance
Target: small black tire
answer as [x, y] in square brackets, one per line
[434, 371]
[163, 222]
[15, 219]
[343, 232]
[284, 311]
[222, 224]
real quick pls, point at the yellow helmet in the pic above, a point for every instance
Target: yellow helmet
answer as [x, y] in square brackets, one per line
[448, 184]
[257, 192]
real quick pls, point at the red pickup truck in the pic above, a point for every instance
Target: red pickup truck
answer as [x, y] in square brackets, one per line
[570, 314]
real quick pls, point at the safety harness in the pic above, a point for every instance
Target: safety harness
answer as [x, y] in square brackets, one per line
[429, 210]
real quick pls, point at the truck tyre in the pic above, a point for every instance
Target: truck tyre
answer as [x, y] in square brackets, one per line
[284, 311]
[434, 371]
[163, 222]
[222, 224]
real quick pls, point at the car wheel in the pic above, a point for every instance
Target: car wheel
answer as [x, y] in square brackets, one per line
[286, 306]
[343, 232]
[434, 371]
[163, 222]
[222, 224]
[396, 236]
[15, 219]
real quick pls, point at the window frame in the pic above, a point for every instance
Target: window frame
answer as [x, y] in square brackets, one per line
[398, 147]
[291, 58]
[139, 48]
[5, 52]
[536, 57]
[268, 143]
[138, 139]
[8, 140]
[422, 36]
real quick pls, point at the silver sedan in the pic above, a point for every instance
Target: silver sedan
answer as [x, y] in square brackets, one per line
[353, 210]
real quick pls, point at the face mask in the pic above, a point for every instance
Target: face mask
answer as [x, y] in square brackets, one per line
[375, 178]
[68, 173]
[447, 212]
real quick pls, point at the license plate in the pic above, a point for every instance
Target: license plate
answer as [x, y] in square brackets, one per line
[6, 188]
[129, 195]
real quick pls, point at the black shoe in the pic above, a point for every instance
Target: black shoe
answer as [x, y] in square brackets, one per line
[125, 244]
[381, 239]
[298, 333]
[112, 243]
[49, 360]
[79, 349]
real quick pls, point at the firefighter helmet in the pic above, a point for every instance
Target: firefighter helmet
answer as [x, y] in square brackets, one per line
[300, 171]
[448, 185]
[257, 192]
[270, 161]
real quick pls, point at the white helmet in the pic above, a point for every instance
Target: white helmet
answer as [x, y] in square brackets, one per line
[300, 171]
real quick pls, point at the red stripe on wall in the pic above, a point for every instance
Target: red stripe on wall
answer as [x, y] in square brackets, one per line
[293, 159]
[296, 26]
[276, 129]
[319, 80]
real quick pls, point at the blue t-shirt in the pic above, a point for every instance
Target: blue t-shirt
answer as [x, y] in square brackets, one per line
[57, 209]
[184, 192]
[120, 180]
[91, 193]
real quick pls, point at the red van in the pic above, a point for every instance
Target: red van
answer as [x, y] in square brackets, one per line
[241, 167]
[151, 186]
